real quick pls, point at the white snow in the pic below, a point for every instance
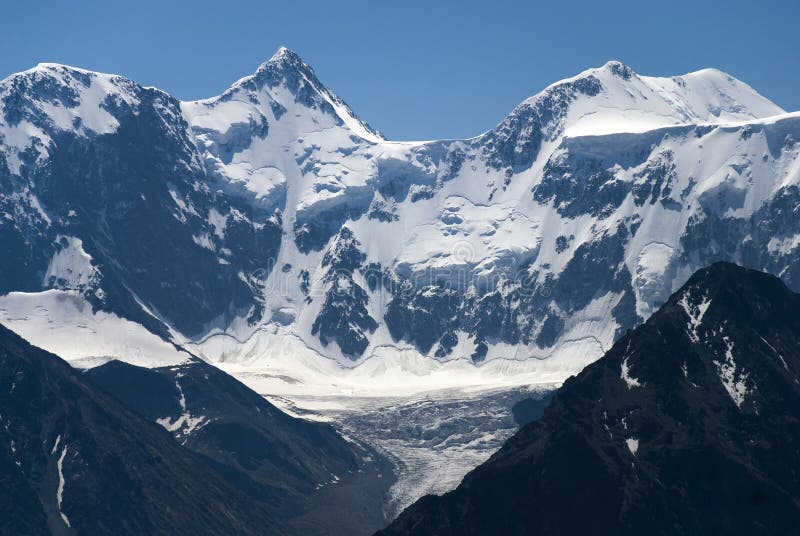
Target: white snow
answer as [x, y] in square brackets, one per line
[651, 279]
[184, 423]
[734, 380]
[62, 322]
[484, 238]
[625, 374]
[783, 361]
[783, 246]
[92, 115]
[218, 222]
[279, 363]
[645, 103]
[350, 120]
[71, 267]
[60, 491]
[633, 445]
[204, 241]
[55, 445]
[474, 221]
[183, 206]
[695, 313]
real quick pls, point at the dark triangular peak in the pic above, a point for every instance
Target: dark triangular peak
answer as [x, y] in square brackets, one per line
[728, 328]
[688, 425]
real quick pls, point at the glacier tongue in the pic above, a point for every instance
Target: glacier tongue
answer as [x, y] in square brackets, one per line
[434, 439]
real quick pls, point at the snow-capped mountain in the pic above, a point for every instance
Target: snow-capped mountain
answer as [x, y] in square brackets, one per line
[686, 426]
[274, 233]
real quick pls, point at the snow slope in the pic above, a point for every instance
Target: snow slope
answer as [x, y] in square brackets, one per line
[63, 322]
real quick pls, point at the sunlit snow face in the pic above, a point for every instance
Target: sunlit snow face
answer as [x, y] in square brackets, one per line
[546, 235]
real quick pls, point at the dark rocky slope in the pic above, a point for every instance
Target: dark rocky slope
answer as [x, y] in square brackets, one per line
[688, 425]
[300, 467]
[75, 460]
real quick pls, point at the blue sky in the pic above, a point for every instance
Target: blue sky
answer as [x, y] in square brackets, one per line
[415, 70]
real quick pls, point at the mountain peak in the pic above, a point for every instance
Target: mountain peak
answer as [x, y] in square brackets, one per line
[63, 73]
[59, 73]
[285, 57]
[55, 97]
[726, 327]
[720, 270]
[284, 53]
[50, 66]
[731, 281]
[712, 293]
[284, 64]
[287, 68]
[619, 69]
[615, 99]
[286, 80]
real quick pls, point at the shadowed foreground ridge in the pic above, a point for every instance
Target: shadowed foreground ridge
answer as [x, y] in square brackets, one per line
[74, 460]
[688, 425]
[304, 470]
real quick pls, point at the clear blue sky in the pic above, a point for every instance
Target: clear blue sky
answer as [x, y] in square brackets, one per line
[415, 70]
